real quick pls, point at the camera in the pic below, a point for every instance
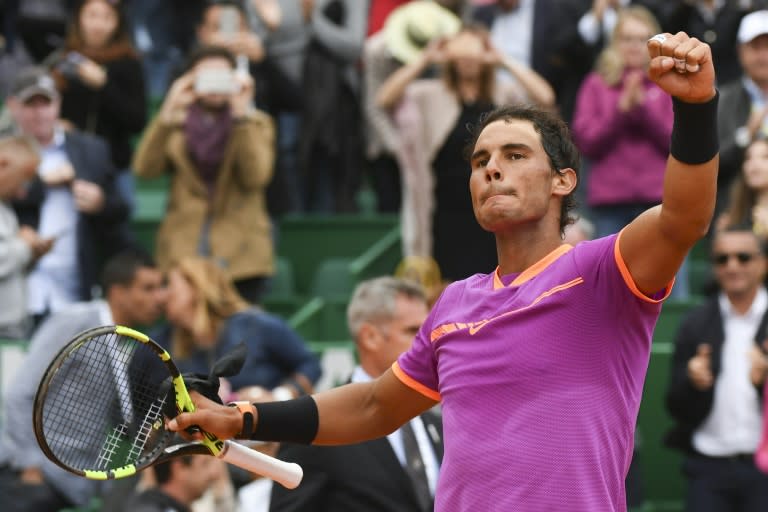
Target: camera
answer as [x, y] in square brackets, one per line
[68, 66]
[215, 81]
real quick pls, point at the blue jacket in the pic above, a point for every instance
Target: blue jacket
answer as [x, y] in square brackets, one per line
[275, 351]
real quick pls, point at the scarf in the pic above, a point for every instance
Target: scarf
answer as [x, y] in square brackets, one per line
[207, 133]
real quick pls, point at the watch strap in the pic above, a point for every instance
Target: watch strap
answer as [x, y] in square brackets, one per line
[248, 413]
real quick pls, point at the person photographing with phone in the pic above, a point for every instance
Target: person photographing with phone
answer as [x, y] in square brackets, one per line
[219, 151]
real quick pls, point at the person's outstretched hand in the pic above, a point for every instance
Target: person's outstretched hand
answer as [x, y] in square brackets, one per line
[682, 66]
[220, 420]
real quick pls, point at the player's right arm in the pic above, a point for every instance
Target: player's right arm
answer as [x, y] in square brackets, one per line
[347, 414]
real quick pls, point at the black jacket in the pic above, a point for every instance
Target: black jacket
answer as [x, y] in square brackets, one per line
[352, 478]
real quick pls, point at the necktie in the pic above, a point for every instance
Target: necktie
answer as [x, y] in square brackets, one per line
[414, 466]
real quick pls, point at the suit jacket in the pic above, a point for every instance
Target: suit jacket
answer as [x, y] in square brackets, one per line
[99, 235]
[352, 478]
[732, 113]
[688, 406]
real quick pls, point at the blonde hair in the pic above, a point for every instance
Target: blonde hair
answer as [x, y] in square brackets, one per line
[217, 300]
[21, 143]
[426, 272]
[610, 64]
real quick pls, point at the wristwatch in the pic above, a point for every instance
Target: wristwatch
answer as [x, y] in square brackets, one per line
[248, 412]
[742, 137]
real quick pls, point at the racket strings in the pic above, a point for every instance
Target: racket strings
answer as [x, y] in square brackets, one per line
[102, 410]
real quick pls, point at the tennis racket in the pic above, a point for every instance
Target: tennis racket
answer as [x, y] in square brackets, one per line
[101, 405]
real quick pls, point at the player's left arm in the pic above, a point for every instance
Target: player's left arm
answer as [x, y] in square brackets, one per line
[654, 245]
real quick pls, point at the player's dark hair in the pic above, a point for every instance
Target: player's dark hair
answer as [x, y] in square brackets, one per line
[163, 469]
[121, 269]
[555, 139]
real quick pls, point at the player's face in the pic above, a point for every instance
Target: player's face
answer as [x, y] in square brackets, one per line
[756, 165]
[511, 180]
[737, 277]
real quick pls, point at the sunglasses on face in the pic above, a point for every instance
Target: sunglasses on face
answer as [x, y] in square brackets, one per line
[742, 257]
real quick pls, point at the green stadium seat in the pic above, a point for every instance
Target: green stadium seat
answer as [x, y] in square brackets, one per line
[283, 282]
[282, 298]
[333, 279]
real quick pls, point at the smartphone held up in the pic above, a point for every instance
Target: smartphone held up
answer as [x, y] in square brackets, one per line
[216, 81]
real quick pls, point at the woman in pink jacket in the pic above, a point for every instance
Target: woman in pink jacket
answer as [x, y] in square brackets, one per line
[622, 124]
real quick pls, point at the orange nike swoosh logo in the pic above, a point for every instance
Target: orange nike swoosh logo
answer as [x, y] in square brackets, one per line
[474, 327]
[477, 326]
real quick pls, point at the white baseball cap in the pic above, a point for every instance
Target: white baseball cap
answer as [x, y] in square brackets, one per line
[753, 25]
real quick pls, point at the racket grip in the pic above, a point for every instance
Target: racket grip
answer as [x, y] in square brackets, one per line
[287, 474]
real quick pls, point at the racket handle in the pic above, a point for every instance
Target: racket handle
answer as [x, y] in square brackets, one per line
[287, 474]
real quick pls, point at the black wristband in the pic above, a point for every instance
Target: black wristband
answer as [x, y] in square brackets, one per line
[694, 133]
[295, 421]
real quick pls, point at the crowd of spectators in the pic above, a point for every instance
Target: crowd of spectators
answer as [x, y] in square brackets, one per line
[255, 109]
[325, 98]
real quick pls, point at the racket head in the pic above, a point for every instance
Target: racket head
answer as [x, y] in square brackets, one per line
[100, 406]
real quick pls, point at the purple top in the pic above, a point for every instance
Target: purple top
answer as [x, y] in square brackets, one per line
[540, 375]
[627, 151]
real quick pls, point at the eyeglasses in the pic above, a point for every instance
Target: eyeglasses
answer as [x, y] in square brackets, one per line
[741, 257]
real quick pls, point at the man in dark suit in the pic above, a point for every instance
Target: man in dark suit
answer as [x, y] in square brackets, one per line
[384, 315]
[718, 372]
[72, 200]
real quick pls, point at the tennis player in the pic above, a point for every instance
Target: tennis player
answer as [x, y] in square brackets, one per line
[539, 366]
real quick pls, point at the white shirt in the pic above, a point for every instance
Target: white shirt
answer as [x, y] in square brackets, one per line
[512, 34]
[54, 282]
[431, 465]
[589, 26]
[255, 496]
[734, 424]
